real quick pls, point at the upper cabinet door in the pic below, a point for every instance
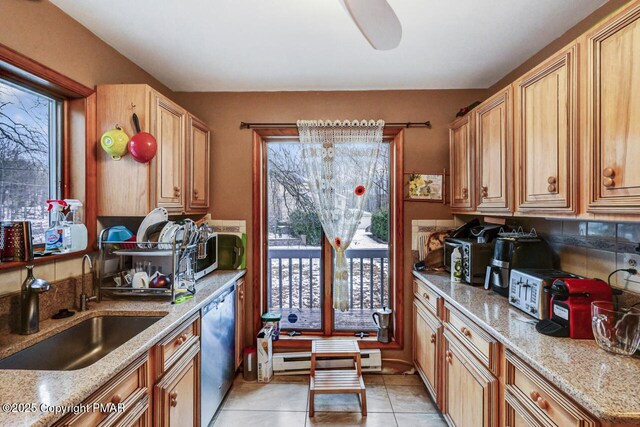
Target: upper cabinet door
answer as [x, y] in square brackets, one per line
[493, 152]
[169, 163]
[545, 135]
[198, 161]
[613, 115]
[462, 162]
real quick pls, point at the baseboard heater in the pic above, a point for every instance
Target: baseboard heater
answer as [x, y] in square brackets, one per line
[300, 362]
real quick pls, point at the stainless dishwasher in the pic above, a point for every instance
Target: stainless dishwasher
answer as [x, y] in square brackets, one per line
[217, 356]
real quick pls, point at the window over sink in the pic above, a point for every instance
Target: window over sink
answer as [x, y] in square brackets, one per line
[30, 154]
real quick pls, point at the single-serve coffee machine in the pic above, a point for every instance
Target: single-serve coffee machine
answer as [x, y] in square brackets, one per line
[382, 318]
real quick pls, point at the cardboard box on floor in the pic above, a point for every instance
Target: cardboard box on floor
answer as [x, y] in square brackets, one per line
[265, 354]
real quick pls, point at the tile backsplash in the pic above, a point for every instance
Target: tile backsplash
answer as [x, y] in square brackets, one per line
[11, 280]
[592, 248]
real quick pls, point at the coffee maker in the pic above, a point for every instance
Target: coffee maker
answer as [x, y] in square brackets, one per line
[571, 300]
[515, 250]
[382, 318]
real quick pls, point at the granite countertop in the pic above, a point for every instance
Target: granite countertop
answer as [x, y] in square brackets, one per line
[72, 387]
[603, 383]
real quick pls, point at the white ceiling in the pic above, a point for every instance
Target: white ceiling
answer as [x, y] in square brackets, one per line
[272, 45]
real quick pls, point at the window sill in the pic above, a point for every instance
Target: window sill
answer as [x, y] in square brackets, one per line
[304, 342]
[9, 265]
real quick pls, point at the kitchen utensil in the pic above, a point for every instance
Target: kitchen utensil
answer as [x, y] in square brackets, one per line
[382, 319]
[118, 233]
[155, 216]
[616, 331]
[160, 281]
[17, 241]
[571, 300]
[114, 142]
[527, 289]
[143, 146]
[140, 280]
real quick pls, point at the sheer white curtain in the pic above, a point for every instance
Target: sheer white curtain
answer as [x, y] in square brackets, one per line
[340, 158]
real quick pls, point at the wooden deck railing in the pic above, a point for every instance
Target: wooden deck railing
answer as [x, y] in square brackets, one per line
[296, 277]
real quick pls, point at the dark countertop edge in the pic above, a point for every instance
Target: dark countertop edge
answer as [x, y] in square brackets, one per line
[630, 418]
[48, 418]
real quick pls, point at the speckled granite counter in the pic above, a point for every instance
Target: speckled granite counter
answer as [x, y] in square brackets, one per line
[605, 384]
[71, 387]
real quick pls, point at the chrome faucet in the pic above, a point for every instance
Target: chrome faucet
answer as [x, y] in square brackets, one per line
[30, 302]
[84, 299]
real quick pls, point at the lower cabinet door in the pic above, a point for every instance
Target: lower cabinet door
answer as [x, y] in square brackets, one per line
[425, 347]
[469, 390]
[177, 394]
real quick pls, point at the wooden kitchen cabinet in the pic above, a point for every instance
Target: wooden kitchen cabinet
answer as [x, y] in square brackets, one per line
[130, 388]
[613, 108]
[545, 136]
[494, 134]
[462, 161]
[178, 173]
[177, 394]
[240, 313]
[426, 339]
[469, 390]
[198, 165]
[169, 165]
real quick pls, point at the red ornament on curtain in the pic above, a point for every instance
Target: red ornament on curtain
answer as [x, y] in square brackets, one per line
[338, 242]
[359, 190]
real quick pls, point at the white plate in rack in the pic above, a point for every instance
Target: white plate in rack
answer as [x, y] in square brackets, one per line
[155, 216]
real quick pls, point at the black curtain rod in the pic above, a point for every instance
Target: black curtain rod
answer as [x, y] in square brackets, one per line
[244, 125]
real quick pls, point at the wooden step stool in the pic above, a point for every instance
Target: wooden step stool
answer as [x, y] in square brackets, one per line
[340, 381]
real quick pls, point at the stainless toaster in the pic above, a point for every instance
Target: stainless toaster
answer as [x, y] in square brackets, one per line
[527, 289]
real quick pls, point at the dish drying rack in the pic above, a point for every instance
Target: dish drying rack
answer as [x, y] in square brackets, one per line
[118, 258]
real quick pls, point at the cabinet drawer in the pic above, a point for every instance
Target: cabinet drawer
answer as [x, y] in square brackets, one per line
[426, 295]
[138, 416]
[127, 389]
[481, 344]
[174, 345]
[546, 403]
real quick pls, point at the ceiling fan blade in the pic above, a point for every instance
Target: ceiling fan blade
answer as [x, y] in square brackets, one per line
[377, 22]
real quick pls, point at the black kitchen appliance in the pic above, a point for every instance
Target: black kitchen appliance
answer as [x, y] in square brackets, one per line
[475, 257]
[515, 250]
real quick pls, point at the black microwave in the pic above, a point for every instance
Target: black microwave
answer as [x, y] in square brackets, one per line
[207, 256]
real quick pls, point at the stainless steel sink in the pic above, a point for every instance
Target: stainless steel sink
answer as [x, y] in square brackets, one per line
[80, 345]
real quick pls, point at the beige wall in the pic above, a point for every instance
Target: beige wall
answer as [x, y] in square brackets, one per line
[566, 38]
[426, 150]
[44, 33]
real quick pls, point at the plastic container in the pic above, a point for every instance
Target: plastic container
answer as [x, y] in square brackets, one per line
[250, 364]
[616, 331]
[77, 231]
[56, 237]
[272, 319]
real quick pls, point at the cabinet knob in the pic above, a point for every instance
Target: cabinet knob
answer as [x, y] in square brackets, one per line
[180, 340]
[551, 188]
[542, 403]
[465, 192]
[609, 173]
[184, 337]
[608, 182]
[426, 295]
[552, 180]
[195, 194]
[466, 332]
[449, 356]
[173, 396]
[115, 399]
[534, 395]
[484, 191]
[176, 191]
[433, 338]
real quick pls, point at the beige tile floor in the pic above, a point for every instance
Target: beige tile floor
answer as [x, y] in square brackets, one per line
[392, 400]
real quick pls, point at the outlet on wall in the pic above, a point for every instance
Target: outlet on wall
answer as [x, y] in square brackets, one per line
[631, 261]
